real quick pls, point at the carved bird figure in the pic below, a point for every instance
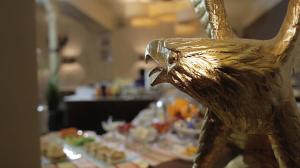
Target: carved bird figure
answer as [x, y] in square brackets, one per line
[245, 84]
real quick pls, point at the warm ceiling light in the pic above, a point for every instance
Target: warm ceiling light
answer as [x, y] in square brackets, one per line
[71, 51]
[161, 8]
[135, 9]
[134, 1]
[143, 22]
[167, 18]
[185, 28]
[186, 15]
[145, 1]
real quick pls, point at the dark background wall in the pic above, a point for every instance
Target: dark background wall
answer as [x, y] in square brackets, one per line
[19, 143]
[268, 24]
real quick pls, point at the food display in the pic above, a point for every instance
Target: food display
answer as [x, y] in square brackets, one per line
[161, 127]
[190, 150]
[79, 140]
[187, 127]
[75, 137]
[79, 163]
[68, 132]
[143, 134]
[105, 153]
[116, 157]
[53, 151]
[111, 125]
[125, 128]
[181, 108]
[66, 165]
[160, 133]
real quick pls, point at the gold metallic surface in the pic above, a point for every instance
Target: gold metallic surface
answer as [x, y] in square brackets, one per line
[244, 83]
[212, 16]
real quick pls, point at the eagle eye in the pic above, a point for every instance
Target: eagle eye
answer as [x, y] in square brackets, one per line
[171, 60]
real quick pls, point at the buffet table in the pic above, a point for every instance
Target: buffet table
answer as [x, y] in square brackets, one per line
[165, 134]
[138, 155]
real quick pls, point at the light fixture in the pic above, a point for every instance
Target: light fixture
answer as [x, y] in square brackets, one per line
[167, 18]
[143, 22]
[185, 28]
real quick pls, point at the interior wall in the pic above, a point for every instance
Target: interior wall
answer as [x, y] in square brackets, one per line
[267, 27]
[268, 24]
[85, 46]
[19, 140]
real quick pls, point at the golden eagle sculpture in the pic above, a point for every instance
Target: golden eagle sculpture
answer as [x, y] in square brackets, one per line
[245, 84]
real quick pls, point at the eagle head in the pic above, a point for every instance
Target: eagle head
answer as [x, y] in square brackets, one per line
[221, 74]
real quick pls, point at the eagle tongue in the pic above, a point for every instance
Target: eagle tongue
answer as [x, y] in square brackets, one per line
[155, 70]
[161, 78]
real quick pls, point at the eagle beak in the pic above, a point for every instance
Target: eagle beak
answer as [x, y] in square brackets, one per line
[156, 52]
